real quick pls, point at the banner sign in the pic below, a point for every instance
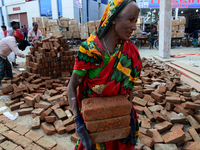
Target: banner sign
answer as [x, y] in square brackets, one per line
[175, 3]
[79, 3]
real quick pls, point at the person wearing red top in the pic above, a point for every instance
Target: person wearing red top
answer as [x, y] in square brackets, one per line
[25, 32]
[4, 30]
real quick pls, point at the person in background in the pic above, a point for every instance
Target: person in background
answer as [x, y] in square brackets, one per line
[195, 36]
[8, 45]
[152, 38]
[35, 34]
[11, 31]
[25, 32]
[4, 28]
[22, 29]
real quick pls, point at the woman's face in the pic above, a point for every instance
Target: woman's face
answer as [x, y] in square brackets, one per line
[125, 23]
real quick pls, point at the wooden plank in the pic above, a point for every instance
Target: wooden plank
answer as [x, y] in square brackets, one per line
[191, 82]
[185, 72]
[187, 67]
[161, 59]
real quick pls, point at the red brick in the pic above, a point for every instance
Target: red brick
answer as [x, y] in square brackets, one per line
[16, 106]
[106, 107]
[48, 128]
[148, 98]
[70, 128]
[25, 111]
[46, 113]
[24, 106]
[175, 100]
[7, 89]
[197, 117]
[177, 126]
[68, 113]
[18, 148]
[34, 136]
[162, 88]
[183, 89]
[33, 146]
[8, 145]
[163, 126]
[192, 121]
[175, 136]
[155, 135]
[45, 78]
[30, 101]
[180, 109]
[38, 111]
[46, 143]
[194, 135]
[147, 141]
[10, 135]
[191, 105]
[36, 123]
[149, 114]
[58, 148]
[13, 96]
[50, 92]
[68, 121]
[110, 135]
[139, 109]
[23, 141]
[169, 93]
[37, 98]
[158, 97]
[156, 108]
[15, 80]
[169, 106]
[36, 81]
[50, 119]
[21, 129]
[9, 123]
[159, 117]
[139, 101]
[176, 118]
[188, 138]
[40, 105]
[146, 123]
[191, 146]
[74, 137]
[148, 91]
[12, 102]
[64, 103]
[2, 138]
[55, 106]
[60, 129]
[60, 114]
[107, 124]
[170, 86]
[55, 99]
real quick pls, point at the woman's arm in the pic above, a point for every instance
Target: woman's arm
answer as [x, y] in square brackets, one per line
[75, 81]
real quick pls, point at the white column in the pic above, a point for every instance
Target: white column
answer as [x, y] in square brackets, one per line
[6, 17]
[176, 15]
[68, 8]
[165, 28]
[1, 21]
[54, 6]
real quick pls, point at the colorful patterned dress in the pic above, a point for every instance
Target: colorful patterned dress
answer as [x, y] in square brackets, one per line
[108, 76]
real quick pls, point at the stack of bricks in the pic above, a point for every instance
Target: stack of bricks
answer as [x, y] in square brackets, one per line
[106, 117]
[18, 137]
[51, 57]
[45, 99]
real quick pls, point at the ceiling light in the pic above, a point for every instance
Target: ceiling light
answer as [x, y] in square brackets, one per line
[197, 10]
[182, 12]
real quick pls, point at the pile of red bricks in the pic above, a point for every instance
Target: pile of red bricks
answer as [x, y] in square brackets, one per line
[169, 115]
[45, 99]
[51, 57]
[17, 137]
[106, 117]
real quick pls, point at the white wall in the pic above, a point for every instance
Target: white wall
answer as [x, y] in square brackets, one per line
[11, 2]
[6, 18]
[68, 8]
[54, 6]
[93, 10]
[32, 12]
[103, 7]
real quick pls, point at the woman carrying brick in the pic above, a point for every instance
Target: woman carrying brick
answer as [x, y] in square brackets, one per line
[107, 64]
[8, 45]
